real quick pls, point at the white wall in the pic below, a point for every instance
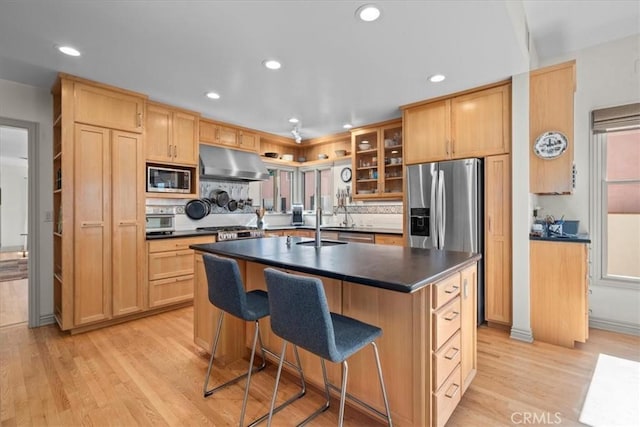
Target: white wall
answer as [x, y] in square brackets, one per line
[607, 75]
[13, 174]
[28, 103]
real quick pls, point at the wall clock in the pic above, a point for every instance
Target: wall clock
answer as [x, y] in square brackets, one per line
[550, 145]
[345, 174]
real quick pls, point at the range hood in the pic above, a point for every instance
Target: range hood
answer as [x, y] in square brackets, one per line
[226, 163]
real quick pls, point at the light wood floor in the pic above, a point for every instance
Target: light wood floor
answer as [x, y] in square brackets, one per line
[13, 296]
[149, 372]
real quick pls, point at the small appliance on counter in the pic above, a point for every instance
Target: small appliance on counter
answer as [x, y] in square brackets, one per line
[160, 223]
[296, 215]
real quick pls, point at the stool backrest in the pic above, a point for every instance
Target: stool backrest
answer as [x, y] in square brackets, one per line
[300, 313]
[225, 285]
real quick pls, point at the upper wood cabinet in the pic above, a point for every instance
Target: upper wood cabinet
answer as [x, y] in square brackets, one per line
[551, 92]
[377, 167]
[171, 135]
[108, 108]
[473, 124]
[220, 134]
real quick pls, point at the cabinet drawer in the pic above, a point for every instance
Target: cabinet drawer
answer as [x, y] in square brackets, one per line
[164, 245]
[390, 239]
[163, 265]
[446, 359]
[447, 398]
[446, 322]
[445, 290]
[170, 291]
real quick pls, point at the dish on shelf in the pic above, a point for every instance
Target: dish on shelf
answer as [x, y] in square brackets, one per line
[550, 145]
[287, 157]
[341, 153]
[302, 159]
[271, 154]
[365, 192]
[364, 146]
[322, 156]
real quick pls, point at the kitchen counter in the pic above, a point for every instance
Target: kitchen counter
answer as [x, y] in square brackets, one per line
[380, 230]
[578, 238]
[396, 268]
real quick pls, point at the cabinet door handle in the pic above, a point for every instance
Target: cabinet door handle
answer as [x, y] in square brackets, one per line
[489, 218]
[453, 146]
[139, 120]
[89, 224]
[452, 390]
[175, 151]
[465, 286]
[447, 147]
[452, 353]
[127, 222]
[451, 315]
[169, 150]
[451, 290]
[218, 134]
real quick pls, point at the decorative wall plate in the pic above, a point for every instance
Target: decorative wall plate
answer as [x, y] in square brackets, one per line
[550, 145]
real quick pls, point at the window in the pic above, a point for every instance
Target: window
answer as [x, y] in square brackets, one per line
[617, 204]
[277, 192]
[309, 189]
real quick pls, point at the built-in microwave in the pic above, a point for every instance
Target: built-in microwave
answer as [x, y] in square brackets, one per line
[168, 180]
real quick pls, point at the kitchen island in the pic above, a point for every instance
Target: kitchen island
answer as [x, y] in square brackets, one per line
[424, 300]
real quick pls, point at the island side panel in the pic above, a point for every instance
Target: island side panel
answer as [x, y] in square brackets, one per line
[404, 351]
[231, 346]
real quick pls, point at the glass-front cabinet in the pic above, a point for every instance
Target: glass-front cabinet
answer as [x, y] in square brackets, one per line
[377, 161]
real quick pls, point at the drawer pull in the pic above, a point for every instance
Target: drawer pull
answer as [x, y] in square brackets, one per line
[87, 224]
[451, 290]
[452, 390]
[452, 353]
[451, 315]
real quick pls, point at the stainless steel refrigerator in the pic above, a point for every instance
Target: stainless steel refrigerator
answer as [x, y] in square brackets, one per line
[444, 203]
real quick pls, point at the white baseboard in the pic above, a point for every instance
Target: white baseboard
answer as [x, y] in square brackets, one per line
[521, 335]
[608, 325]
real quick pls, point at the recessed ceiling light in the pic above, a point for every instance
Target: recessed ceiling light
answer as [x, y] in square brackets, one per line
[272, 64]
[368, 13]
[212, 95]
[436, 78]
[68, 50]
[347, 126]
[293, 120]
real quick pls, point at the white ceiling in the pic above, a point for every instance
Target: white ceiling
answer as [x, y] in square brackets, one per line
[336, 69]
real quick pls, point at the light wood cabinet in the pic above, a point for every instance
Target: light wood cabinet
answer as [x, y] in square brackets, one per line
[377, 169]
[390, 239]
[497, 259]
[108, 107]
[171, 135]
[468, 325]
[224, 135]
[551, 92]
[171, 270]
[559, 286]
[472, 124]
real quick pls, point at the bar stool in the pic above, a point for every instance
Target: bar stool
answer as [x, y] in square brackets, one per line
[300, 315]
[226, 291]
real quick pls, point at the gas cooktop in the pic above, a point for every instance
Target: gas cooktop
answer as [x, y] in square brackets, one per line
[235, 232]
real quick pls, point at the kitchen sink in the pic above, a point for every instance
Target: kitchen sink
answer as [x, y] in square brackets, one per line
[322, 243]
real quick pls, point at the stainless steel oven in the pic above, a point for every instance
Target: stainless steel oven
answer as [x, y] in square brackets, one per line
[160, 223]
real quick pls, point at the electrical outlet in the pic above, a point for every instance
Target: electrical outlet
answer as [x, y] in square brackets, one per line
[48, 216]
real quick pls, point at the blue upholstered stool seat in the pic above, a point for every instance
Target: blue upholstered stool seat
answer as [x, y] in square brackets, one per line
[300, 315]
[226, 292]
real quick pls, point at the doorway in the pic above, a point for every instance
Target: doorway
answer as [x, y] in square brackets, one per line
[17, 146]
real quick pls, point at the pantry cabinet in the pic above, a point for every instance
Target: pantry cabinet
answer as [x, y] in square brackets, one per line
[107, 107]
[171, 135]
[472, 124]
[551, 92]
[497, 255]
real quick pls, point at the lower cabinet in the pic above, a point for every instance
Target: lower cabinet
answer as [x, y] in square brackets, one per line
[171, 270]
[427, 348]
[559, 286]
[390, 239]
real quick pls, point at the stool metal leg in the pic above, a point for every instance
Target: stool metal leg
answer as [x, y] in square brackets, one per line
[208, 393]
[326, 404]
[343, 393]
[275, 388]
[246, 389]
[384, 390]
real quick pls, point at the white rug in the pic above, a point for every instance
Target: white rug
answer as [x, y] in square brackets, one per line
[613, 399]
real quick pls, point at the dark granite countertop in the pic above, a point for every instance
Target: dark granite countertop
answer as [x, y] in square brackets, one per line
[379, 230]
[578, 238]
[396, 268]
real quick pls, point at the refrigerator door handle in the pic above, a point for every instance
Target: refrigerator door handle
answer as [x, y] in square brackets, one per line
[434, 210]
[442, 203]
